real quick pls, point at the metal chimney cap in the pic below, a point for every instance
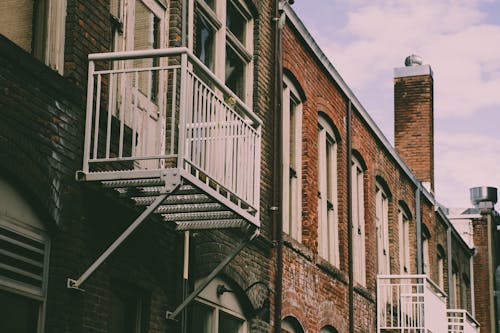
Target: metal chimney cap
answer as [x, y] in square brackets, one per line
[483, 194]
[413, 60]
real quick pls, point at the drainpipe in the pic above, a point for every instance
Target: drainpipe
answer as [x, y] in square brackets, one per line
[449, 256]
[418, 223]
[276, 208]
[184, 24]
[349, 218]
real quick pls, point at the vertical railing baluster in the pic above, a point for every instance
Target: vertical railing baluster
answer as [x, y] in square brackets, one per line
[135, 116]
[97, 114]
[122, 127]
[182, 114]
[111, 104]
[173, 107]
[88, 118]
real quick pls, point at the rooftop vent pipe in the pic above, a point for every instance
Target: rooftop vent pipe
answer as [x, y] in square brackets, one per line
[483, 196]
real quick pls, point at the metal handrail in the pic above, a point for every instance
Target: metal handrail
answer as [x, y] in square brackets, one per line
[137, 54]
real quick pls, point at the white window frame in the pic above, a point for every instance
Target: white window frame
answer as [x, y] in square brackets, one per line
[425, 255]
[404, 241]
[328, 233]
[224, 38]
[47, 24]
[440, 269]
[382, 226]
[226, 302]
[292, 170]
[358, 222]
[17, 216]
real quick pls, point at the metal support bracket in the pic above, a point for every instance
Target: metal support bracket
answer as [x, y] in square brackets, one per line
[172, 315]
[172, 181]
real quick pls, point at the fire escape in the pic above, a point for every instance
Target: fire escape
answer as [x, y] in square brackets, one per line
[167, 135]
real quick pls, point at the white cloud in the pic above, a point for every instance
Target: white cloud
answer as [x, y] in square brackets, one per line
[465, 160]
[448, 34]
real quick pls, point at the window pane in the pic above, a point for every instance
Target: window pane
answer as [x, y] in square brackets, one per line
[293, 128]
[235, 21]
[235, 72]
[124, 312]
[210, 3]
[228, 323]
[203, 316]
[19, 314]
[204, 41]
[146, 36]
[16, 22]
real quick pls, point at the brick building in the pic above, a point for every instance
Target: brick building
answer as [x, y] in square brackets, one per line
[143, 188]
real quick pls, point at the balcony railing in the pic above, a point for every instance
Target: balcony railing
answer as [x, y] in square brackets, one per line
[410, 303]
[460, 321]
[155, 109]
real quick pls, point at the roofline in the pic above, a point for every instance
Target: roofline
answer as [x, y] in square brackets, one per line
[298, 25]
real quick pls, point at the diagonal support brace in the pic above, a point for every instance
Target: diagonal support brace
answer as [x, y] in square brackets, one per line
[75, 284]
[211, 276]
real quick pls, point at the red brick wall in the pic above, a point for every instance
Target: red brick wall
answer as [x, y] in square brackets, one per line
[414, 124]
[482, 274]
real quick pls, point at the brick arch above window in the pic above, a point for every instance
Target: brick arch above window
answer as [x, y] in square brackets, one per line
[383, 184]
[296, 83]
[322, 116]
[405, 209]
[359, 158]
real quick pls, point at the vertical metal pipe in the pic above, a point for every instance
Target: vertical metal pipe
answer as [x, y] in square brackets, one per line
[418, 225]
[349, 217]
[449, 258]
[277, 165]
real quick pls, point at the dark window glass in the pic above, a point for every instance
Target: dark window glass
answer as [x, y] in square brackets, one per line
[204, 41]
[202, 319]
[235, 21]
[210, 3]
[228, 323]
[234, 72]
[18, 314]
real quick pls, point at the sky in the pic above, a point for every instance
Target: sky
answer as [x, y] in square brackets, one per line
[366, 39]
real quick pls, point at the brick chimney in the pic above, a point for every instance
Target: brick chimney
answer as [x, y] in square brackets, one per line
[414, 118]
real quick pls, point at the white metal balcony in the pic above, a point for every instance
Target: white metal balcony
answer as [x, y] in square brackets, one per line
[410, 304]
[460, 321]
[158, 114]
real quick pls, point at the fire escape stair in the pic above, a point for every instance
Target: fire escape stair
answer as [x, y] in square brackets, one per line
[184, 202]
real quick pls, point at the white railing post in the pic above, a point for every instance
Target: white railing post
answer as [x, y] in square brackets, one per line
[88, 119]
[257, 161]
[181, 145]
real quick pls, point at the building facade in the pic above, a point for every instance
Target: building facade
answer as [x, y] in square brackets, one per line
[152, 182]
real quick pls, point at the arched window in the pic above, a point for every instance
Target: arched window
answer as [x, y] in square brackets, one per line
[404, 239]
[218, 310]
[426, 235]
[328, 329]
[328, 233]
[291, 325]
[24, 256]
[440, 266]
[382, 225]
[292, 160]
[358, 221]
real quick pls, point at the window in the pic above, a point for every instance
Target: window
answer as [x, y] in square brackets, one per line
[382, 225]
[292, 152]
[328, 329]
[440, 266]
[466, 301]
[37, 27]
[455, 280]
[425, 250]
[291, 325]
[328, 234]
[223, 37]
[216, 312]
[404, 241]
[24, 255]
[128, 310]
[140, 25]
[358, 222]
